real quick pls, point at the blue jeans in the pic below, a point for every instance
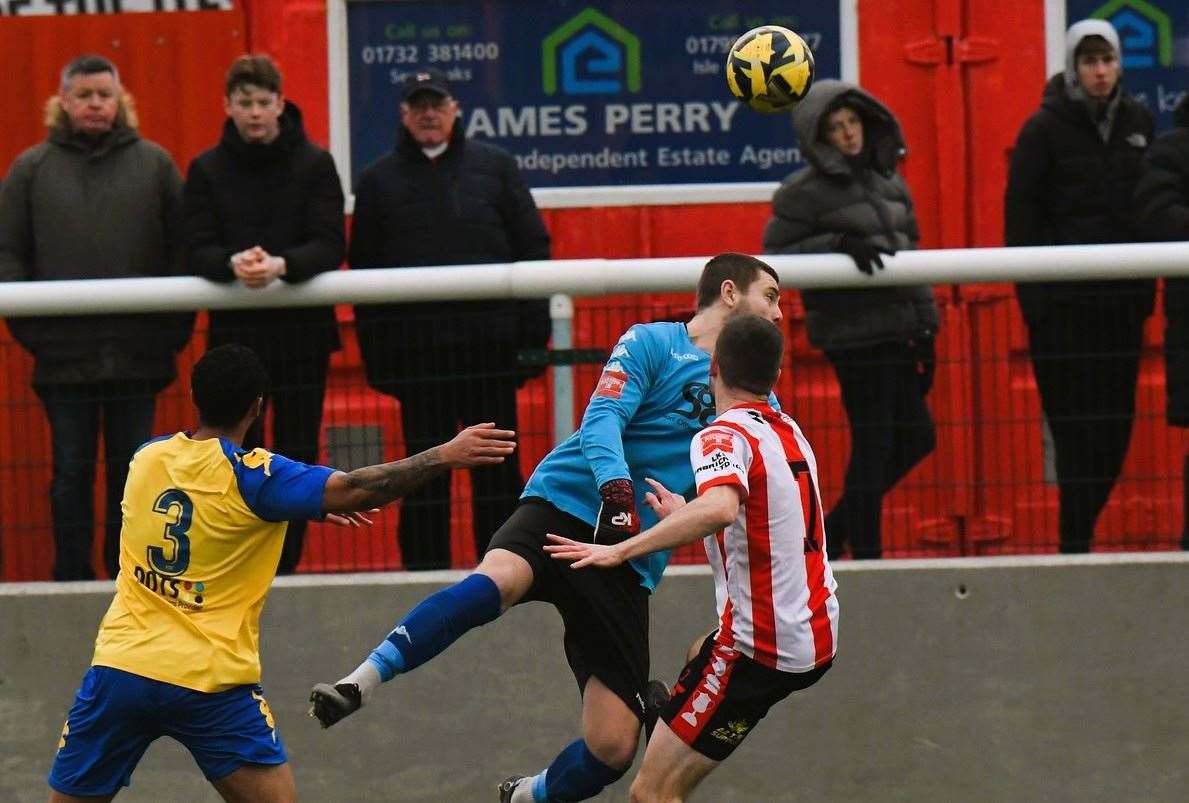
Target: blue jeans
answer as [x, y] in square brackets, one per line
[75, 413]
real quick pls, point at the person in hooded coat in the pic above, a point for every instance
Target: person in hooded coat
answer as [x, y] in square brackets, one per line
[266, 205]
[1162, 202]
[1071, 181]
[880, 341]
[94, 201]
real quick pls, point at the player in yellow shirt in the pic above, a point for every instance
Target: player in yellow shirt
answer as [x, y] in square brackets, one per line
[203, 524]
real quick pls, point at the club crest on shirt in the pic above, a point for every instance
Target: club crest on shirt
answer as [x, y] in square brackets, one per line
[717, 442]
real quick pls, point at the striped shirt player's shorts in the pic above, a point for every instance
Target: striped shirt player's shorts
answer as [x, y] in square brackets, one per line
[722, 694]
[605, 611]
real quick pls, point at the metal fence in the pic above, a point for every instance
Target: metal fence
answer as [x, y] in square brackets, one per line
[988, 487]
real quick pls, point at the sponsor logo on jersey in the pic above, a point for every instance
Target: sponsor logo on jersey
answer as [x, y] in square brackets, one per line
[611, 384]
[717, 462]
[733, 732]
[711, 686]
[687, 357]
[717, 442]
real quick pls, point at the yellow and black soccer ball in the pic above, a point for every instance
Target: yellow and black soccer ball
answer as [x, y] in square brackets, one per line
[770, 68]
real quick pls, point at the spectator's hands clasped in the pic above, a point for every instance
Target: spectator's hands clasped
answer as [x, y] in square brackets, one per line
[256, 268]
[866, 255]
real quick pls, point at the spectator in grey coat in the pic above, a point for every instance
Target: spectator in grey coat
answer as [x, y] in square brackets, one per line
[94, 201]
[850, 199]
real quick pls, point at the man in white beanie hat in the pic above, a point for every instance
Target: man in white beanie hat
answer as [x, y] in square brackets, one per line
[1072, 177]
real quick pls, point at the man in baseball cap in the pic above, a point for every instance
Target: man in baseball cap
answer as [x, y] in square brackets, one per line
[429, 79]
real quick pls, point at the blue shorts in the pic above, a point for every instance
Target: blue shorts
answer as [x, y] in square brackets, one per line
[116, 716]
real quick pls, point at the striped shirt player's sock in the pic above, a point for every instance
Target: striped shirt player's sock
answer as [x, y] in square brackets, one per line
[574, 775]
[428, 629]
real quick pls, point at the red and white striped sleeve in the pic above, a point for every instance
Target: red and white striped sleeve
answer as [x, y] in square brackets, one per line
[720, 456]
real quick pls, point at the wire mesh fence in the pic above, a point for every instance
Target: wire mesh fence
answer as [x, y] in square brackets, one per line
[989, 484]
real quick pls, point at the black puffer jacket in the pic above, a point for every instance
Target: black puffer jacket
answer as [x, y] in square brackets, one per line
[833, 196]
[285, 197]
[468, 206]
[75, 208]
[1067, 186]
[1162, 204]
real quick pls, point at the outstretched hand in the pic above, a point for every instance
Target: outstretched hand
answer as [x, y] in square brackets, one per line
[479, 445]
[605, 556]
[354, 519]
[662, 501]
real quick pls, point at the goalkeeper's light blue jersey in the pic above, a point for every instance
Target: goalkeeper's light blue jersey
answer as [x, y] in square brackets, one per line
[653, 397]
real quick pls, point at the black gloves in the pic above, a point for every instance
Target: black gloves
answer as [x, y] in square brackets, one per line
[866, 255]
[618, 519]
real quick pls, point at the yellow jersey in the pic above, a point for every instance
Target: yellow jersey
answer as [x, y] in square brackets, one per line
[203, 526]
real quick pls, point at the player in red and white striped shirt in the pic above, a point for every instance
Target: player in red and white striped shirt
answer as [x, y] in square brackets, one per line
[759, 513]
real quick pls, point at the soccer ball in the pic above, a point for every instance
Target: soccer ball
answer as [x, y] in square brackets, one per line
[770, 68]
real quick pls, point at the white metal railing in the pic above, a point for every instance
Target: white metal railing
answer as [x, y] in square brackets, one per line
[590, 277]
[561, 280]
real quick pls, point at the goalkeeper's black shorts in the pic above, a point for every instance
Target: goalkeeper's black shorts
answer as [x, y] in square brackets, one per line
[605, 611]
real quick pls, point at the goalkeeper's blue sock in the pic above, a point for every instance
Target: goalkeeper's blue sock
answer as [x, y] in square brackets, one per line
[435, 624]
[574, 775]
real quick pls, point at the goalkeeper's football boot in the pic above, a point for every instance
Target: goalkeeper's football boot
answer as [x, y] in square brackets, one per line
[508, 787]
[332, 703]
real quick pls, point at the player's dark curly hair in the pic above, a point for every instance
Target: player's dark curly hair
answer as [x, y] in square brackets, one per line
[225, 383]
[739, 268]
[748, 353]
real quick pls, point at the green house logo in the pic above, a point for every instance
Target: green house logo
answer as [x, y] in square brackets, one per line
[594, 55]
[1145, 32]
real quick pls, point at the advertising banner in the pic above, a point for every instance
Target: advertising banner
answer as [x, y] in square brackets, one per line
[612, 92]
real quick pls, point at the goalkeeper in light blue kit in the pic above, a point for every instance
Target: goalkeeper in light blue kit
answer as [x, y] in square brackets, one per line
[652, 398]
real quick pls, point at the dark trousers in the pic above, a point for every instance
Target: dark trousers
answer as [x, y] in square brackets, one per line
[76, 412]
[883, 390]
[431, 414]
[1086, 362]
[297, 387]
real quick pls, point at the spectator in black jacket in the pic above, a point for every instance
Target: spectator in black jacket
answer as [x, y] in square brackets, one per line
[1162, 203]
[266, 204]
[442, 199]
[1072, 177]
[850, 199]
[94, 201]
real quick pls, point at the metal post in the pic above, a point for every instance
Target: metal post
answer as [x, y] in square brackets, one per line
[561, 312]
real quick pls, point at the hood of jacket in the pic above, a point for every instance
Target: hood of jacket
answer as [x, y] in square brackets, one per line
[883, 141]
[292, 135]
